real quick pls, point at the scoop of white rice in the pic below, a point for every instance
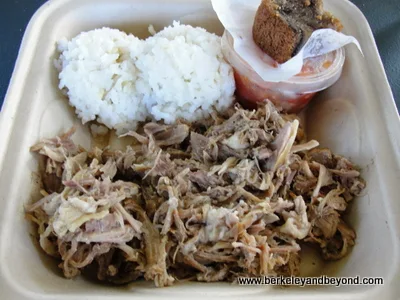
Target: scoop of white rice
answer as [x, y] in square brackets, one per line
[100, 77]
[119, 80]
[184, 74]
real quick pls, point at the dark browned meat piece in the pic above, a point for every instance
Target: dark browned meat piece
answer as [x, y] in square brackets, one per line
[323, 156]
[202, 148]
[52, 183]
[167, 135]
[303, 186]
[204, 180]
[338, 247]
[224, 152]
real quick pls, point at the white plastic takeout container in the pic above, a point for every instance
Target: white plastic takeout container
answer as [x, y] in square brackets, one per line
[356, 118]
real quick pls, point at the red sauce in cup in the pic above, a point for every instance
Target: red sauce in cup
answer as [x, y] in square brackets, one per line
[293, 95]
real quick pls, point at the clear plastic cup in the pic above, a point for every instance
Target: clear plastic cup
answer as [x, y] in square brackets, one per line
[293, 95]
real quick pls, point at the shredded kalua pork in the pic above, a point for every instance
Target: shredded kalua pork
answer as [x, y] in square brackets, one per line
[235, 195]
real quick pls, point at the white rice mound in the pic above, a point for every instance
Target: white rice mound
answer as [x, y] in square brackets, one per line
[184, 74]
[99, 75]
[119, 80]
